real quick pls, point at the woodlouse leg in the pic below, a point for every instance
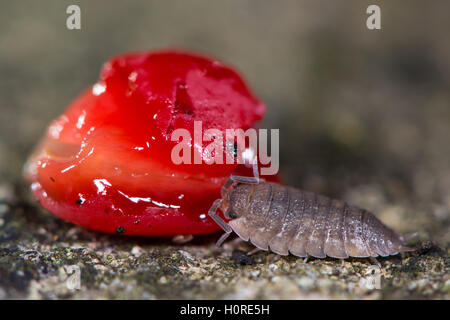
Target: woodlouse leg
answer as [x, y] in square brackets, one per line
[253, 251]
[375, 261]
[213, 214]
[306, 259]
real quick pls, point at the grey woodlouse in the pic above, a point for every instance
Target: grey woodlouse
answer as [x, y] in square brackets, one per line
[289, 220]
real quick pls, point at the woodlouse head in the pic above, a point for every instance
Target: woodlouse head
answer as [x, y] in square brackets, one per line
[238, 199]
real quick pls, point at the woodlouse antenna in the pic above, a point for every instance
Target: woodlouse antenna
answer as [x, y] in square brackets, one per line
[241, 179]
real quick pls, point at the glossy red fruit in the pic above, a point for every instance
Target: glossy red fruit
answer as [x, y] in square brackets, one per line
[105, 163]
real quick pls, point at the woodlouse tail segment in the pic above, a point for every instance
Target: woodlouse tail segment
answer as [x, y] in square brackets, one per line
[406, 238]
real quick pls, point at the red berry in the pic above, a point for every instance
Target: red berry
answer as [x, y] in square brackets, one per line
[106, 162]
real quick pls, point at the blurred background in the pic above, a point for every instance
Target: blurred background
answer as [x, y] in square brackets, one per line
[363, 115]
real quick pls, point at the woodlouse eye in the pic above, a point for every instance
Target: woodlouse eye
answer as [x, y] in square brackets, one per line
[232, 215]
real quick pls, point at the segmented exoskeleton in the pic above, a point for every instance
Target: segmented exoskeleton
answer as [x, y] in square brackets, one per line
[287, 219]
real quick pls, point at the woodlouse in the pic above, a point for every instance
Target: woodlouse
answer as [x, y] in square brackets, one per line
[289, 220]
